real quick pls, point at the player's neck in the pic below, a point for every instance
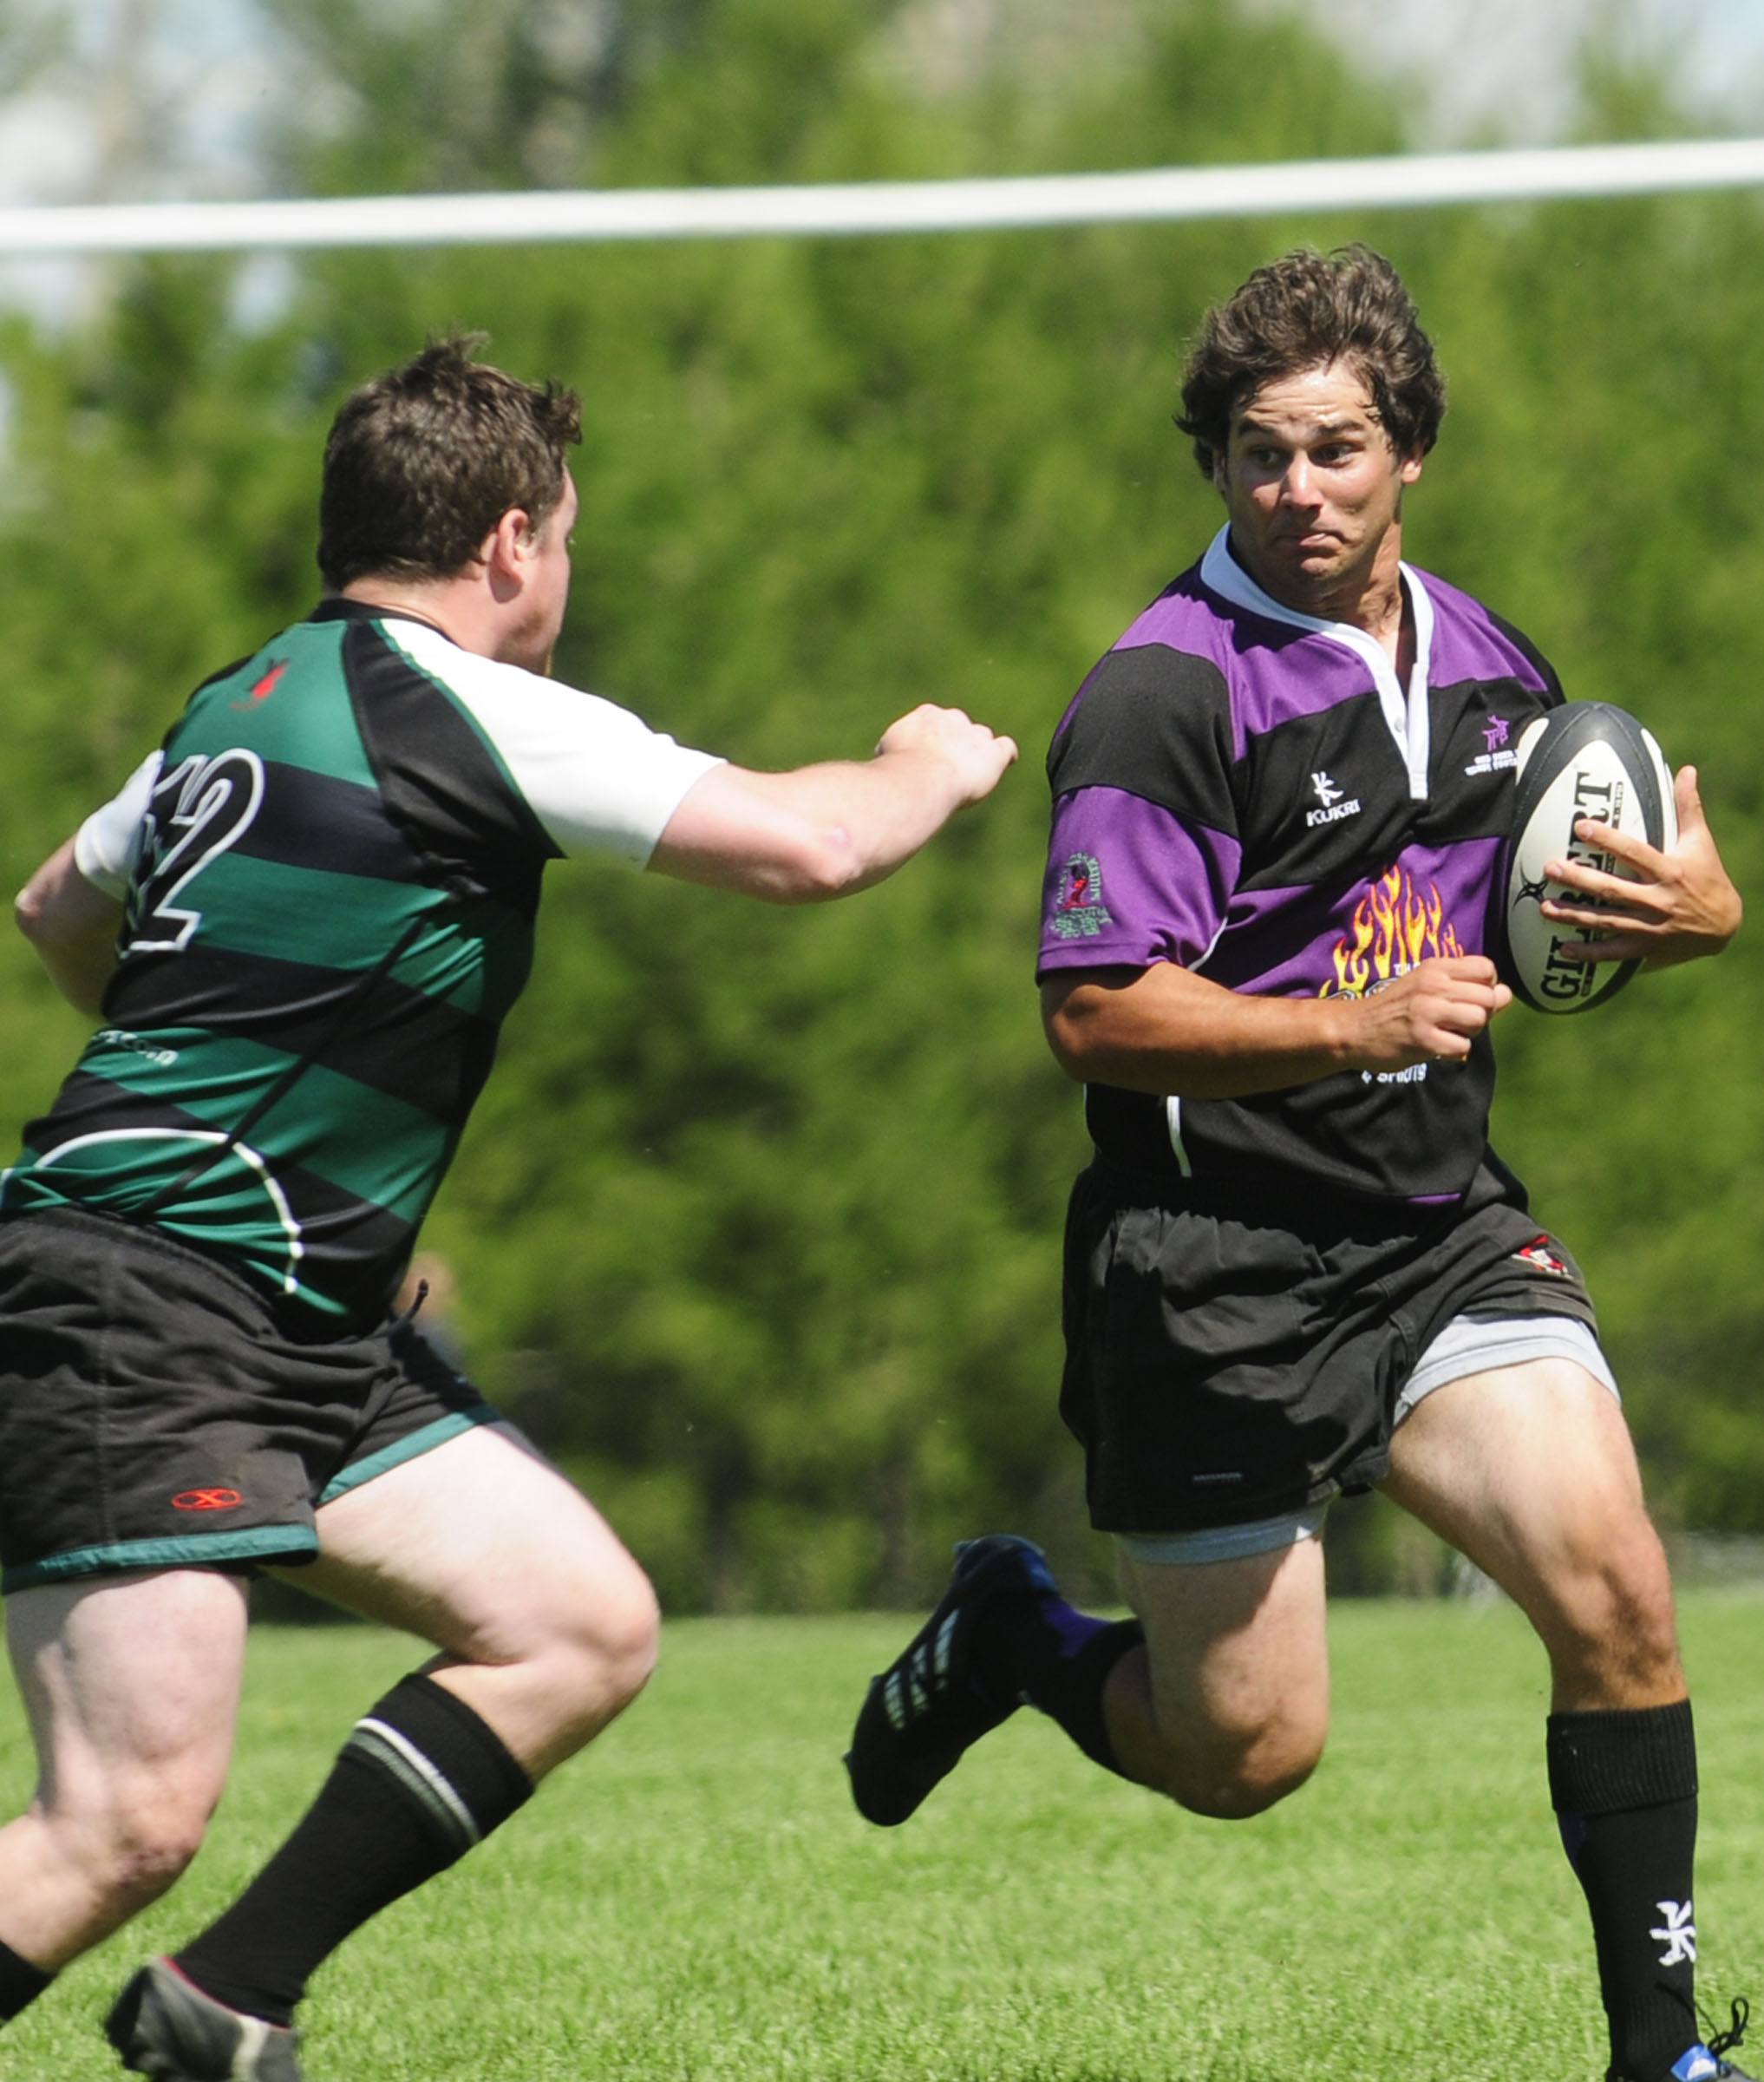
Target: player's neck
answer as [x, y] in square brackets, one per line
[442, 604]
[1374, 599]
[1383, 611]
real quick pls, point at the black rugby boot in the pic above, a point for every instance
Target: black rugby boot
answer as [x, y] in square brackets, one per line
[930, 1704]
[165, 2026]
[1706, 2063]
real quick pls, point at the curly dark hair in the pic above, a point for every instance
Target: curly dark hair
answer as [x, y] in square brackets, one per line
[422, 462]
[1299, 312]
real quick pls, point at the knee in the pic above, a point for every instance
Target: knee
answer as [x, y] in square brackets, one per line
[604, 1646]
[145, 1863]
[626, 1638]
[134, 1842]
[1609, 1626]
[561, 1654]
[1229, 1777]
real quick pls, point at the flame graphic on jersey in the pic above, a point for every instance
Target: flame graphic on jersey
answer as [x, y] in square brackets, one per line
[1393, 927]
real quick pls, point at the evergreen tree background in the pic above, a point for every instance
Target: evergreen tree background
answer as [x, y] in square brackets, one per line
[758, 1227]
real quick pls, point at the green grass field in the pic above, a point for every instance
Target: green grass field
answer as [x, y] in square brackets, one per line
[695, 1901]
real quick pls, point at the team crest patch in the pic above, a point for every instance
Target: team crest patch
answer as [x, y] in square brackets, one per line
[1079, 912]
[1501, 753]
[1541, 1253]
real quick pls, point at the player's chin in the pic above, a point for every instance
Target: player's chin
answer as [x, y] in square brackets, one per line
[1319, 569]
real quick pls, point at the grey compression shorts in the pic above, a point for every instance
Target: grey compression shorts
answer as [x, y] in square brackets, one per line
[1466, 1345]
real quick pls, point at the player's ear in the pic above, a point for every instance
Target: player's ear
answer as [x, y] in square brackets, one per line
[505, 550]
[1410, 467]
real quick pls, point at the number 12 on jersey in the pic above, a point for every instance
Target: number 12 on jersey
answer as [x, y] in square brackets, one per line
[199, 808]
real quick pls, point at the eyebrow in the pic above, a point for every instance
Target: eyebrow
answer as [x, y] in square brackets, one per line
[1322, 429]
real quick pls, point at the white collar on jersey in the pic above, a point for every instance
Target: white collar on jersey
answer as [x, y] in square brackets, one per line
[1407, 717]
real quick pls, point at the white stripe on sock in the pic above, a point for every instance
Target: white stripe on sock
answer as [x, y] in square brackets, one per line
[435, 1781]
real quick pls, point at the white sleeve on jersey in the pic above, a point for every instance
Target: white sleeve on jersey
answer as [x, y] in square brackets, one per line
[598, 778]
[105, 845]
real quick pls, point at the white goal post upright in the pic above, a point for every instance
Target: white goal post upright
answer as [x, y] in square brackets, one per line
[834, 210]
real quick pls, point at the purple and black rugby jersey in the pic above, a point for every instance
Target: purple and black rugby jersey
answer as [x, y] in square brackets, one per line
[1250, 793]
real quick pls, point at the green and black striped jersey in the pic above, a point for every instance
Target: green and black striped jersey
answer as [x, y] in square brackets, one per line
[330, 871]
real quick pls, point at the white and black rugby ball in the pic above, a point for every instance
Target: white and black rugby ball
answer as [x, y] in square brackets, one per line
[1586, 759]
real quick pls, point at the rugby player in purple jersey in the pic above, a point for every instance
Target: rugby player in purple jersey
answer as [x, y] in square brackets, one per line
[1295, 1267]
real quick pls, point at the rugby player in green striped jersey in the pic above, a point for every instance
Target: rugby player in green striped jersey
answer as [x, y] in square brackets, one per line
[299, 928]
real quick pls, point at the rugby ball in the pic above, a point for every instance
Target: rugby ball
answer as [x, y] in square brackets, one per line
[1586, 759]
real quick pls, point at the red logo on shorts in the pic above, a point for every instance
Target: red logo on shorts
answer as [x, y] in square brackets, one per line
[1540, 1252]
[207, 1500]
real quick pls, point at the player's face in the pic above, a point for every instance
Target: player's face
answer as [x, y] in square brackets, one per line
[1313, 489]
[546, 595]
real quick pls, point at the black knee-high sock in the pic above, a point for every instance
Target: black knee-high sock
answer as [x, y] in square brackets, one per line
[21, 1983]
[1040, 1649]
[421, 1779]
[1623, 1785]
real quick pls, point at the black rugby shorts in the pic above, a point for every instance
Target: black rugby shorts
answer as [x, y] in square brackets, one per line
[1232, 1358]
[157, 1410]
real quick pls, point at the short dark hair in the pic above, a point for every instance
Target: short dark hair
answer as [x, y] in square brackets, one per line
[422, 462]
[1299, 312]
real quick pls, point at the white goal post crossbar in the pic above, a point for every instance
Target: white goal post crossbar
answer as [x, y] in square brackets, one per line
[1306, 187]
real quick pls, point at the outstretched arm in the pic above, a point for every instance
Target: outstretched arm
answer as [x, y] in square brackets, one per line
[826, 830]
[73, 925]
[1683, 905]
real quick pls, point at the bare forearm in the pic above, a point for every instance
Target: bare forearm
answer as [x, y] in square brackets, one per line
[1165, 1030]
[828, 830]
[875, 813]
[80, 975]
[73, 927]
[1170, 1031]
